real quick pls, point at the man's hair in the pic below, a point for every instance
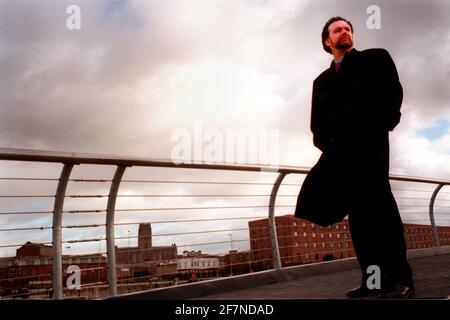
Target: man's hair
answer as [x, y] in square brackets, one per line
[326, 34]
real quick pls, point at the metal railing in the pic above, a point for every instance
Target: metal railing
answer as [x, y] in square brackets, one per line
[69, 160]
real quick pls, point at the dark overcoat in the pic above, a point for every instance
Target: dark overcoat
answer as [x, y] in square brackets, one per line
[352, 112]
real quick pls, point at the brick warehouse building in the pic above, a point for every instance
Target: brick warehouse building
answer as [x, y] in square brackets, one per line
[32, 267]
[301, 241]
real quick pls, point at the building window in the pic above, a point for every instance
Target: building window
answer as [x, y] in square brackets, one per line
[314, 235]
[314, 245]
[294, 223]
[305, 234]
[321, 235]
[306, 245]
[295, 233]
[12, 273]
[312, 225]
[303, 224]
[296, 244]
[323, 244]
[331, 235]
[337, 226]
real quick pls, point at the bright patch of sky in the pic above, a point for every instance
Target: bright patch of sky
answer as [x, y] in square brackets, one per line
[121, 13]
[436, 131]
[113, 6]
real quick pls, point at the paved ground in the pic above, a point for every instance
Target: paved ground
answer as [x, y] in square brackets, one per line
[431, 275]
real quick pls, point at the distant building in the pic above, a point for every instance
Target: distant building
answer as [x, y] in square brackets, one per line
[30, 250]
[301, 241]
[32, 267]
[145, 259]
[236, 262]
[419, 236]
[195, 264]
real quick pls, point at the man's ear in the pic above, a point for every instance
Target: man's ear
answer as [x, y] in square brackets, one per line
[328, 42]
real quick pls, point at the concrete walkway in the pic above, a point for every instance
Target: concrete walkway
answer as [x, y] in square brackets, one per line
[323, 280]
[431, 275]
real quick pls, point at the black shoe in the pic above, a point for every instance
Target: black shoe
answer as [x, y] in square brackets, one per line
[398, 291]
[362, 292]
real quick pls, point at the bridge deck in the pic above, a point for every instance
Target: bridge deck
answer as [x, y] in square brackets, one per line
[431, 275]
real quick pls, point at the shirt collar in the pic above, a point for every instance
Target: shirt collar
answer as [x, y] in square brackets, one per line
[342, 59]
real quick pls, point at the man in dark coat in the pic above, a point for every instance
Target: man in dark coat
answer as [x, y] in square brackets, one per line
[355, 103]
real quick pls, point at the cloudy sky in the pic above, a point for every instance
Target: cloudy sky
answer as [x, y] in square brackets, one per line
[136, 72]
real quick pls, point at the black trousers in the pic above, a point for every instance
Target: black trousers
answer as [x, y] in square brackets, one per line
[377, 234]
[375, 224]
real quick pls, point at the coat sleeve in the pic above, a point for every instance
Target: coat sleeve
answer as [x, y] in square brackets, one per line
[315, 123]
[393, 92]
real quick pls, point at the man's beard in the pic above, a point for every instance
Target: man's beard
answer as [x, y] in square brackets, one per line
[344, 45]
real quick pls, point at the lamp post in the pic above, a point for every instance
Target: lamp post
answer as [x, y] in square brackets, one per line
[99, 263]
[70, 255]
[129, 254]
[231, 253]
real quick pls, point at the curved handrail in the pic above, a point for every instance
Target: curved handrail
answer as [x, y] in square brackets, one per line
[70, 159]
[90, 158]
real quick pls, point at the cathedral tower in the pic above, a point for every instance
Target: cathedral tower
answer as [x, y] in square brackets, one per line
[145, 236]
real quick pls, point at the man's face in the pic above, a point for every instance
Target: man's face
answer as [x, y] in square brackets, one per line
[340, 36]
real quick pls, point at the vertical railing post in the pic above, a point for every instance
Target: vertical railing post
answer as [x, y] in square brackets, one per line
[434, 232]
[56, 232]
[110, 242]
[272, 223]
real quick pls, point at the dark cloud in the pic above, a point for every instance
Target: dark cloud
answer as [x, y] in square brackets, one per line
[115, 86]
